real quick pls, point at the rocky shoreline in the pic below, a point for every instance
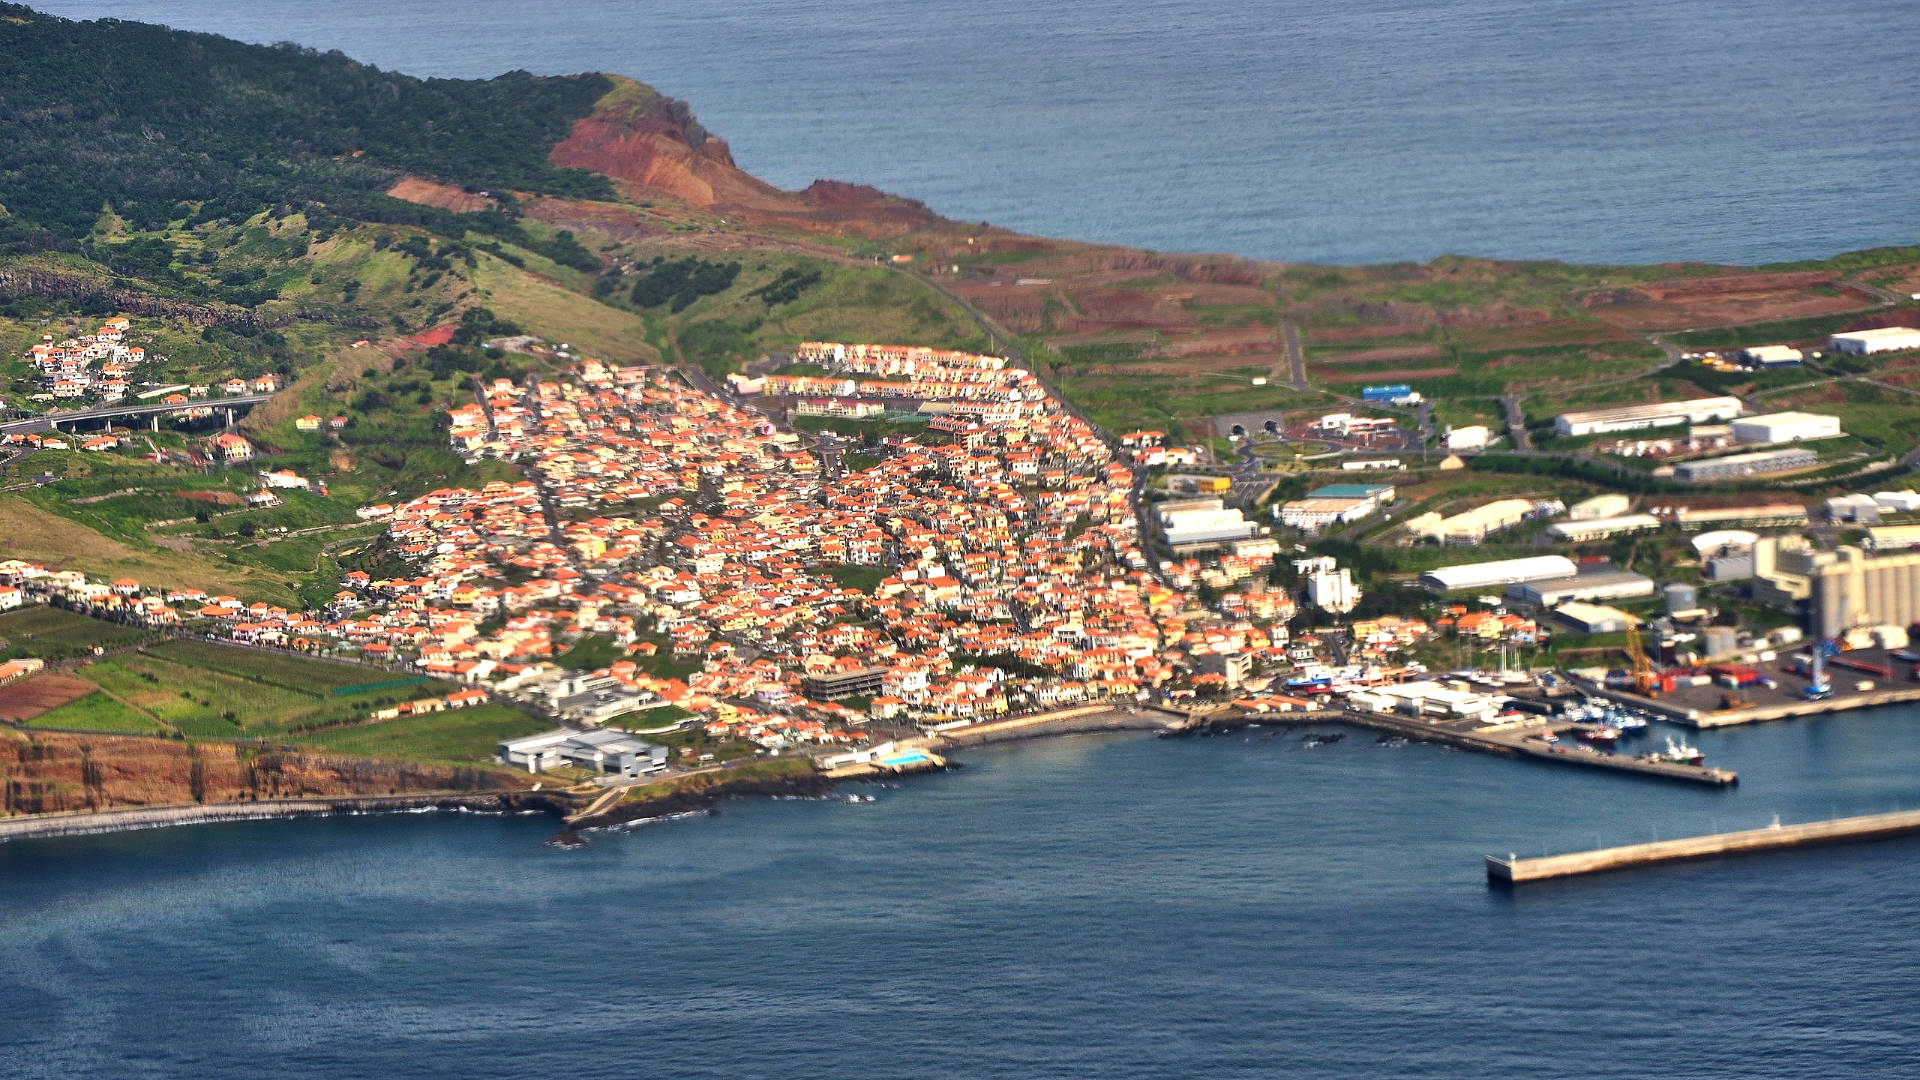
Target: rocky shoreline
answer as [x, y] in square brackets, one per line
[90, 823]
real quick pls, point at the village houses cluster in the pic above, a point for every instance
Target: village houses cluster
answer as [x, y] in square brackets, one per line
[993, 565]
[101, 365]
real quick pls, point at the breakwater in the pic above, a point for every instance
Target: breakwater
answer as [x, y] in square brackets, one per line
[87, 823]
[1514, 870]
[1515, 744]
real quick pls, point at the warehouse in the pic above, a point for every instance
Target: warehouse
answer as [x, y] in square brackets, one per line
[1593, 618]
[1784, 427]
[1868, 342]
[1198, 523]
[1600, 585]
[1761, 463]
[1471, 437]
[1580, 532]
[1637, 417]
[1771, 356]
[1893, 538]
[1378, 494]
[1312, 515]
[1471, 526]
[1600, 506]
[1499, 572]
[1428, 699]
[1771, 515]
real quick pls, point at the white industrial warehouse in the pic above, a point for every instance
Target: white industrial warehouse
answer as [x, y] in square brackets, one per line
[1499, 572]
[1203, 521]
[1783, 427]
[1868, 342]
[1637, 417]
[1581, 531]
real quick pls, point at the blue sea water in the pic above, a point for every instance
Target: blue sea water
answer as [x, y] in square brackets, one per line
[1307, 130]
[1095, 907]
[1098, 907]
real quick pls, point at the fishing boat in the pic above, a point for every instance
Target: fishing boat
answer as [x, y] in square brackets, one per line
[1597, 735]
[1678, 754]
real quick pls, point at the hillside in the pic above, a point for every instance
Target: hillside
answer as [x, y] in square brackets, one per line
[364, 234]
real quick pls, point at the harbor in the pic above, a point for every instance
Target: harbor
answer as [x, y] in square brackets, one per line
[1572, 738]
[1779, 689]
[1513, 870]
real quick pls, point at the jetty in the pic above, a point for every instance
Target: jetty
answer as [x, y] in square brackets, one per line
[1520, 742]
[1513, 870]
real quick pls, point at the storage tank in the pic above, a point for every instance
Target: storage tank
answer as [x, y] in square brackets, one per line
[1681, 598]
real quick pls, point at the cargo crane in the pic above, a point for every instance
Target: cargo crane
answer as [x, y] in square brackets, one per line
[1637, 656]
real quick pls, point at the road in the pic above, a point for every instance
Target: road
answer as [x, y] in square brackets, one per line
[109, 412]
[1296, 359]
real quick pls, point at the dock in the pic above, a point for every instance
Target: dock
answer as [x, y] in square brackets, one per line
[1516, 743]
[1513, 870]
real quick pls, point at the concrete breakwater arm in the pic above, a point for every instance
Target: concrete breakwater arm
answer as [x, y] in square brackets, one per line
[1839, 831]
[86, 823]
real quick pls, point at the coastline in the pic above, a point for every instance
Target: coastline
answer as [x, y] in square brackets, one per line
[133, 819]
[1081, 720]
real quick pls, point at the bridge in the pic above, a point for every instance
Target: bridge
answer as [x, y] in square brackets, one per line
[53, 421]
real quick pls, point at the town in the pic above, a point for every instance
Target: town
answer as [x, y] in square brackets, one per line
[860, 549]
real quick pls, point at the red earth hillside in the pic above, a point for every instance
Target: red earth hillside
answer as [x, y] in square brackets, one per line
[653, 144]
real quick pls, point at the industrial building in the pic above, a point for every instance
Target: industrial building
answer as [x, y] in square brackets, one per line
[1855, 508]
[1427, 699]
[1638, 417]
[1472, 526]
[1852, 588]
[1771, 515]
[1312, 515]
[1736, 466]
[1471, 437]
[1786, 427]
[1202, 522]
[1378, 494]
[1601, 585]
[1771, 356]
[1401, 394]
[1893, 537]
[1594, 618]
[1580, 532]
[1600, 506]
[1499, 572]
[602, 751]
[1868, 342]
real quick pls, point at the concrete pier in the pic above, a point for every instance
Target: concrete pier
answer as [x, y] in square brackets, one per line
[1513, 870]
[1505, 744]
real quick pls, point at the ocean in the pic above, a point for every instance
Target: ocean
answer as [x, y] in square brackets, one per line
[1340, 131]
[1093, 907]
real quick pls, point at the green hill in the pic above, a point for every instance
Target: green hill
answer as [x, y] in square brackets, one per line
[159, 125]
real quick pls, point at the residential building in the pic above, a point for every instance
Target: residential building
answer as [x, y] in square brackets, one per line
[1332, 589]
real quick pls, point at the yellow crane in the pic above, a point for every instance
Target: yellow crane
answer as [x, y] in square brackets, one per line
[1637, 656]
